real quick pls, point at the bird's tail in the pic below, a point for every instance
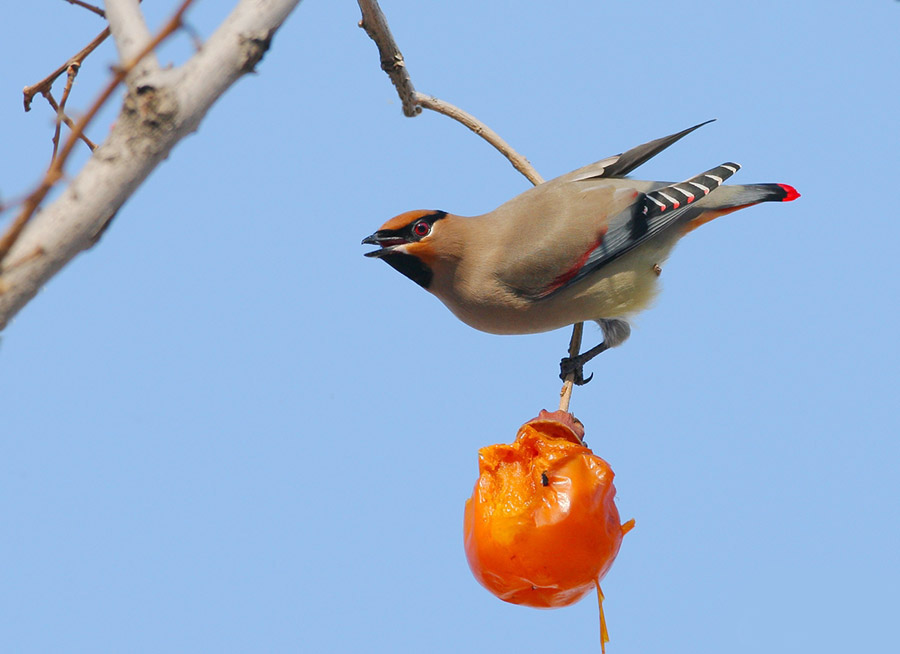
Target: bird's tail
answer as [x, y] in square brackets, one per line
[730, 198]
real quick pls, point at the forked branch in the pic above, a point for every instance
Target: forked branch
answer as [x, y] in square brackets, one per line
[55, 172]
[157, 113]
[45, 84]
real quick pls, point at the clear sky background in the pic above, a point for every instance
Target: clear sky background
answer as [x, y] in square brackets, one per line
[225, 430]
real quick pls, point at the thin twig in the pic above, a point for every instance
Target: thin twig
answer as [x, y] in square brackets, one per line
[58, 109]
[375, 24]
[519, 162]
[61, 111]
[55, 172]
[47, 82]
[565, 395]
[68, 121]
[194, 35]
[89, 7]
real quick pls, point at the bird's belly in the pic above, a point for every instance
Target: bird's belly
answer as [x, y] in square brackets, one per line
[620, 289]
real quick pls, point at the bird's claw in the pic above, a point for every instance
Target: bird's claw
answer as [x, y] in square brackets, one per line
[575, 367]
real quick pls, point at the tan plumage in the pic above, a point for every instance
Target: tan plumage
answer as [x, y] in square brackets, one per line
[584, 246]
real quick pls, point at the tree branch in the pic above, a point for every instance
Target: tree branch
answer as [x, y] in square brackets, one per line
[129, 31]
[61, 116]
[88, 6]
[55, 172]
[167, 107]
[44, 85]
[375, 25]
[519, 162]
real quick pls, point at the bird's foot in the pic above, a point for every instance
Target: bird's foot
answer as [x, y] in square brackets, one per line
[572, 366]
[575, 365]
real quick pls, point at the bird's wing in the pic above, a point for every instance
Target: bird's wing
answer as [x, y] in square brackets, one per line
[621, 164]
[646, 217]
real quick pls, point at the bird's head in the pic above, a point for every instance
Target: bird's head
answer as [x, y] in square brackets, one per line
[410, 243]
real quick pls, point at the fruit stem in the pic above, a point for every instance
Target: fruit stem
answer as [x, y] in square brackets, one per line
[604, 634]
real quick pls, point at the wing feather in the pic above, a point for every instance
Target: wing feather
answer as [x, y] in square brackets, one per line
[648, 216]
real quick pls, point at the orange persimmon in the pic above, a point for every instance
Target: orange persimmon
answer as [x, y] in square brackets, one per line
[542, 528]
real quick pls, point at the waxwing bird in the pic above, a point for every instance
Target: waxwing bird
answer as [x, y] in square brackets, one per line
[585, 246]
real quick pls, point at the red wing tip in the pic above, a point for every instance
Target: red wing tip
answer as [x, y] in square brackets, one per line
[790, 191]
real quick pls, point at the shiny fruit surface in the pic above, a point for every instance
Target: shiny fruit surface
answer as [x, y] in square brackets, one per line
[542, 528]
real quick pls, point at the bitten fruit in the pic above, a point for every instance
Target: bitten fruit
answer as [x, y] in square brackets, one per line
[542, 528]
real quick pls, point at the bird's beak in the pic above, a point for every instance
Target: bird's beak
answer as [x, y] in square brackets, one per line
[387, 243]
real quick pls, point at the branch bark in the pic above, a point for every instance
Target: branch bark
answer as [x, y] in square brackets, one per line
[376, 26]
[167, 106]
[131, 35]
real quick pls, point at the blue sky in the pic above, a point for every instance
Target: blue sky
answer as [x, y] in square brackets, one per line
[226, 430]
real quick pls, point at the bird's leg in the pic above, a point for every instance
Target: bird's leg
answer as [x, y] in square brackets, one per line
[615, 332]
[576, 364]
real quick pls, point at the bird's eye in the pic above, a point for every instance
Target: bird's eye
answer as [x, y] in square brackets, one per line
[421, 228]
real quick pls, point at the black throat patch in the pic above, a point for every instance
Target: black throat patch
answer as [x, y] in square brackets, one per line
[411, 266]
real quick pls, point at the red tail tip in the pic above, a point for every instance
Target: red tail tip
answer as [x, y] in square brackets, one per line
[791, 193]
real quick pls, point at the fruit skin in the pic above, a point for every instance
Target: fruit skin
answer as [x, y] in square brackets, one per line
[542, 528]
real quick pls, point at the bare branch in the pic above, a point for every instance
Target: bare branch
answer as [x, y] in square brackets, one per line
[55, 172]
[68, 121]
[519, 162]
[375, 24]
[61, 116]
[166, 108]
[87, 6]
[44, 85]
[126, 22]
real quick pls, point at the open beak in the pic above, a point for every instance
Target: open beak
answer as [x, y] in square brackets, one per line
[387, 243]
